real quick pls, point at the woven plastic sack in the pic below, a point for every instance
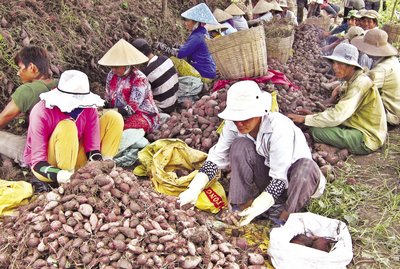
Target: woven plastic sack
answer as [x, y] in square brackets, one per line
[286, 255]
[171, 165]
[13, 194]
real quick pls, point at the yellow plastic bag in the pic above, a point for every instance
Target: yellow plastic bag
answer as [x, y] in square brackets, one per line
[171, 165]
[13, 194]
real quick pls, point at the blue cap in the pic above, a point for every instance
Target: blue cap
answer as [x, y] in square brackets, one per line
[200, 13]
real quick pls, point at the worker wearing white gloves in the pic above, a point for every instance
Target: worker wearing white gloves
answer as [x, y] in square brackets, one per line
[271, 166]
[65, 131]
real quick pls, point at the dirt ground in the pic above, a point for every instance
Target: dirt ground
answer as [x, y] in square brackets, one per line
[78, 32]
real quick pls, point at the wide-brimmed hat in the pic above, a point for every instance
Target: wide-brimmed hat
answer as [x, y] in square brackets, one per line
[234, 10]
[345, 53]
[200, 13]
[245, 100]
[213, 27]
[73, 91]
[221, 15]
[375, 43]
[262, 6]
[276, 6]
[353, 32]
[123, 54]
[372, 14]
[283, 3]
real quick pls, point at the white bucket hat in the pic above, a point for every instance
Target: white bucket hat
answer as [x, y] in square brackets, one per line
[200, 13]
[73, 91]
[345, 53]
[353, 32]
[123, 54]
[245, 100]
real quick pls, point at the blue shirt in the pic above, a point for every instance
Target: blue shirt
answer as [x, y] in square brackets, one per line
[196, 52]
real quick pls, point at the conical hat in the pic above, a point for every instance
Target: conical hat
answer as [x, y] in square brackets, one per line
[212, 27]
[221, 15]
[234, 10]
[123, 54]
[276, 6]
[262, 6]
[200, 13]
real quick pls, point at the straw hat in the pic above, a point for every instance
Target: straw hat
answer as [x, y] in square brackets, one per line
[276, 6]
[234, 10]
[372, 14]
[262, 6]
[221, 15]
[245, 100]
[72, 92]
[374, 43]
[353, 32]
[345, 53]
[200, 13]
[123, 54]
[214, 27]
[283, 3]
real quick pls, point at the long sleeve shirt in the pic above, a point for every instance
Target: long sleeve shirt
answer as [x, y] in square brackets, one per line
[386, 77]
[43, 121]
[360, 107]
[196, 52]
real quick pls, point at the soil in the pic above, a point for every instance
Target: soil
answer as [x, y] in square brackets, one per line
[77, 33]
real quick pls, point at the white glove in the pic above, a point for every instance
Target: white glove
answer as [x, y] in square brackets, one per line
[197, 185]
[64, 176]
[261, 204]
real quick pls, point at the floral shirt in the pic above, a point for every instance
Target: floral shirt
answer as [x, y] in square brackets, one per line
[132, 94]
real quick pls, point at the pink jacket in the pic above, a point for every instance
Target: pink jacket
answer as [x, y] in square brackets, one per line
[43, 121]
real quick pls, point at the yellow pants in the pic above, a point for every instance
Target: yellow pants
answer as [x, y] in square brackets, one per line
[185, 69]
[67, 152]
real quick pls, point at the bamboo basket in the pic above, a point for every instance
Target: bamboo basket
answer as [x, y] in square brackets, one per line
[240, 54]
[279, 48]
[323, 22]
[393, 31]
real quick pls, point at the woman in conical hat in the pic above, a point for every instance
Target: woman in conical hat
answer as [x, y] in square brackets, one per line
[262, 12]
[128, 89]
[195, 49]
[239, 22]
[285, 12]
[225, 19]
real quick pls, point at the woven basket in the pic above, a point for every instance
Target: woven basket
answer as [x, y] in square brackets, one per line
[393, 31]
[323, 22]
[279, 48]
[240, 54]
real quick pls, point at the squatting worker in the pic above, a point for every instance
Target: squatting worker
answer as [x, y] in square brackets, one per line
[358, 121]
[271, 165]
[65, 132]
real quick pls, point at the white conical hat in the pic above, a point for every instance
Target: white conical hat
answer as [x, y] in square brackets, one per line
[123, 54]
[234, 10]
[262, 6]
[200, 13]
[221, 15]
[212, 27]
[276, 6]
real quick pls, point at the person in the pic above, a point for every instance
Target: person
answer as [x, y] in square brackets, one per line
[195, 50]
[314, 8]
[128, 89]
[350, 20]
[301, 4]
[34, 72]
[162, 75]
[331, 9]
[352, 5]
[369, 19]
[375, 5]
[263, 12]
[65, 131]
[357, 122]
[286, 13]
[239, 22]
[272, 169]
[353, 32]
[384, 71]
[215, 30]
[225, 19]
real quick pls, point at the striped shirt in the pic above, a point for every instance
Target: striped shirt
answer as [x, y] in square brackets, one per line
[163, 78]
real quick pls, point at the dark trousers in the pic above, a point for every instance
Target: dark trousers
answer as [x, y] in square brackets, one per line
[301, 4]
[372, 5]
[250, 177]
